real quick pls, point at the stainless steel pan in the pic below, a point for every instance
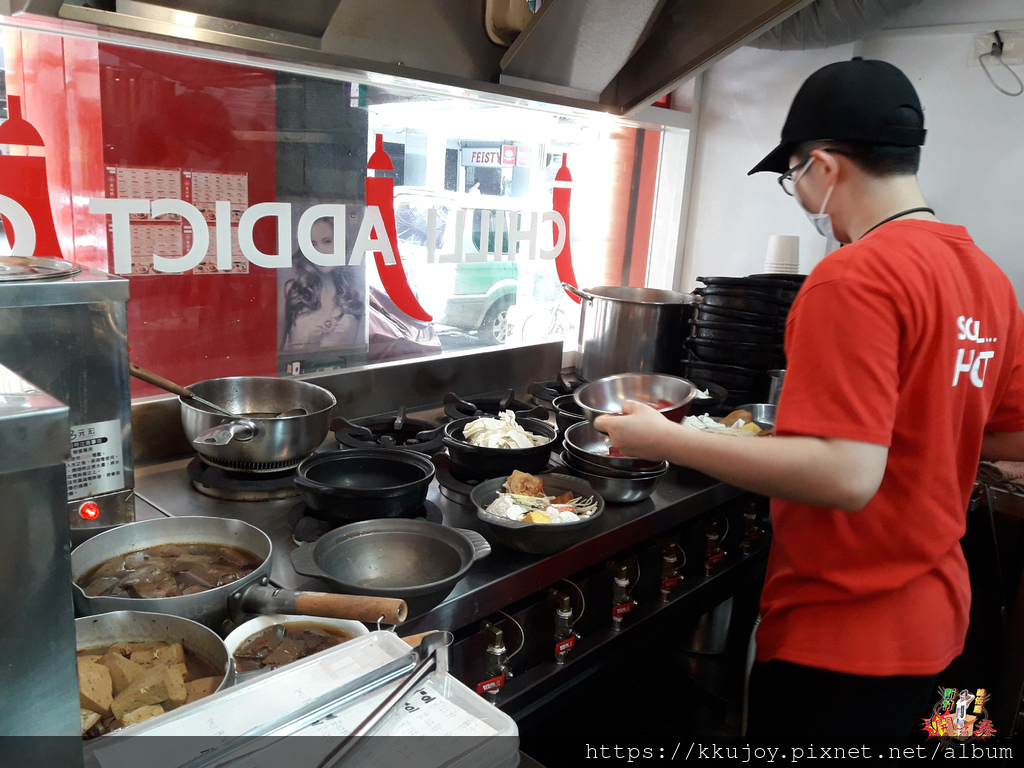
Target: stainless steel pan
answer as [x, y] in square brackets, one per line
[249, 594]
[259, 440]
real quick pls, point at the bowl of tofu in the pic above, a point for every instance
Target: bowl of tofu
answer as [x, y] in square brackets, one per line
[133, 666]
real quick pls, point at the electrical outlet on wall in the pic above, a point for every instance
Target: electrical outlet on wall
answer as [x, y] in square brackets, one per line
[1013, 46]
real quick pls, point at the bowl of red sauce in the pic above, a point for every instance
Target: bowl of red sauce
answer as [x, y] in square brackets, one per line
[669, 395]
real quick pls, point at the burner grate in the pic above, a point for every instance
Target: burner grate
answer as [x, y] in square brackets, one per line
[387, 432]
[230, 485]
[249, 467]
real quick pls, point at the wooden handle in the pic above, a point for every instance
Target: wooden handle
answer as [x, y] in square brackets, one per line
[387, 610]
[158, 381]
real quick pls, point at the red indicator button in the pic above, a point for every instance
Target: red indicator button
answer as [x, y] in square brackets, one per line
[89, 511]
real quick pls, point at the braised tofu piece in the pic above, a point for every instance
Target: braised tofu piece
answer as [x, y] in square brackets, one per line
[139, 715]
[151, 687]
[163, 654]
[127, 649]
[89, 719]
[90, 657]
[204, 686]
[177, 694]
[122, 670]
[95, 689]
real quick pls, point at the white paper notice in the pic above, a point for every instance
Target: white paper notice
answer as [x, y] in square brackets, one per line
[95, 465]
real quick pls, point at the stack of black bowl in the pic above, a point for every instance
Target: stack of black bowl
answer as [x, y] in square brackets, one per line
[737, 332]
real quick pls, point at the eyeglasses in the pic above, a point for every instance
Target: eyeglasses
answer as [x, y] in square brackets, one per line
[789, 179]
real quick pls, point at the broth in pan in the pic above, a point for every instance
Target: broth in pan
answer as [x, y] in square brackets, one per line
[169, 570]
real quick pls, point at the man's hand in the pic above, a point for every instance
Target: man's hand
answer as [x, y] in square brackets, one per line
[823, 472]
[640, 431]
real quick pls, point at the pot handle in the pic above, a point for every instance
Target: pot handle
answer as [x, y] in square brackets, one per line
[577, 292]
[386, 610]
[303, 561]
[223, 434]
[481, 548]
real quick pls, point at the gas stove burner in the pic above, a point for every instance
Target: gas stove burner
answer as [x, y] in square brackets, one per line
[389, 432]
[548, 390]
[251, 468]
[306, 526]
[456, 486]
[489, 405]
[228, 485]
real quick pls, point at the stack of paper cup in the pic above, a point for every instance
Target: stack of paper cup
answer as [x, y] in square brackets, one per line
[783, 254]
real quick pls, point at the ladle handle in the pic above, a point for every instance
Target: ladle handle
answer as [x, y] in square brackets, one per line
[159, 381]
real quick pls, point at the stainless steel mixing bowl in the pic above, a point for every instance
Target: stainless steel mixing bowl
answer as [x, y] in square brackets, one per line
[670, 395]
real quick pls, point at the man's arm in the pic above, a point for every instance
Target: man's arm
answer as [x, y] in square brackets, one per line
[823, 472]
[1002, 446]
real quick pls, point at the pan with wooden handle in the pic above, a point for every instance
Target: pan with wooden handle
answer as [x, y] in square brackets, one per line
[251, 593]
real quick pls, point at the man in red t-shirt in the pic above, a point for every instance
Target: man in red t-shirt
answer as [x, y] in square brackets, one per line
[905, 365]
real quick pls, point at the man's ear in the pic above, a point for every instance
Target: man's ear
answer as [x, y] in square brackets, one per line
[828, 163]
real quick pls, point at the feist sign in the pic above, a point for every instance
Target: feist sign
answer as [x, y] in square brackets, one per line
[377, 233]
[483, 157]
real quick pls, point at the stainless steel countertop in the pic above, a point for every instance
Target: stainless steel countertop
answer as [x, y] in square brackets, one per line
[492, 583]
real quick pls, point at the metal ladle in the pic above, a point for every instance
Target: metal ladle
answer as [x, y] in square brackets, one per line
[169, 386]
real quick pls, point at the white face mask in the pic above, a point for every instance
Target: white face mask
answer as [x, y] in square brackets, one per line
[821, 220]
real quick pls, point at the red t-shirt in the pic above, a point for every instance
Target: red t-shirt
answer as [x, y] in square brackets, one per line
[909, 338]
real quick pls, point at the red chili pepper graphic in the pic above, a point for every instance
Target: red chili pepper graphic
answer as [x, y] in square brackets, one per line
[380, 191]
[23, 179]
[560, 204]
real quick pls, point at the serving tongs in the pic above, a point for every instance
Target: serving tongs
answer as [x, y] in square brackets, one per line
[430, 655]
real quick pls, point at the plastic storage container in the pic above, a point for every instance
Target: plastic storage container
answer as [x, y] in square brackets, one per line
[440, 707]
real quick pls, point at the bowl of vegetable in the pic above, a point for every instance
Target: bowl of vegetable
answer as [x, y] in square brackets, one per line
[670, 395]
[537, 515]
[489, 447]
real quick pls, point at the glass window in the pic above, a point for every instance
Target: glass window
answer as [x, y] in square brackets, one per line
[239, 202]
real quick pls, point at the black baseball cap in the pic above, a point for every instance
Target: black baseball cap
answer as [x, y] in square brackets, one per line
[861, 100]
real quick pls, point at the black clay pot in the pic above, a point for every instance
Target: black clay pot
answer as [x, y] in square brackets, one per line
[732, 377]
[483, 463]
[744, 300]
[736, 332]
[567, 412]
[713, 404]
[747, 355]
[365, 484]
[708, 313]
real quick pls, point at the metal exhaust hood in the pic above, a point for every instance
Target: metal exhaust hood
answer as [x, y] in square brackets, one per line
[608, 55]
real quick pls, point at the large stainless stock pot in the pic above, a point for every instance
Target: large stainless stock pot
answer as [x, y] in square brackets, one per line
[630, 330]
